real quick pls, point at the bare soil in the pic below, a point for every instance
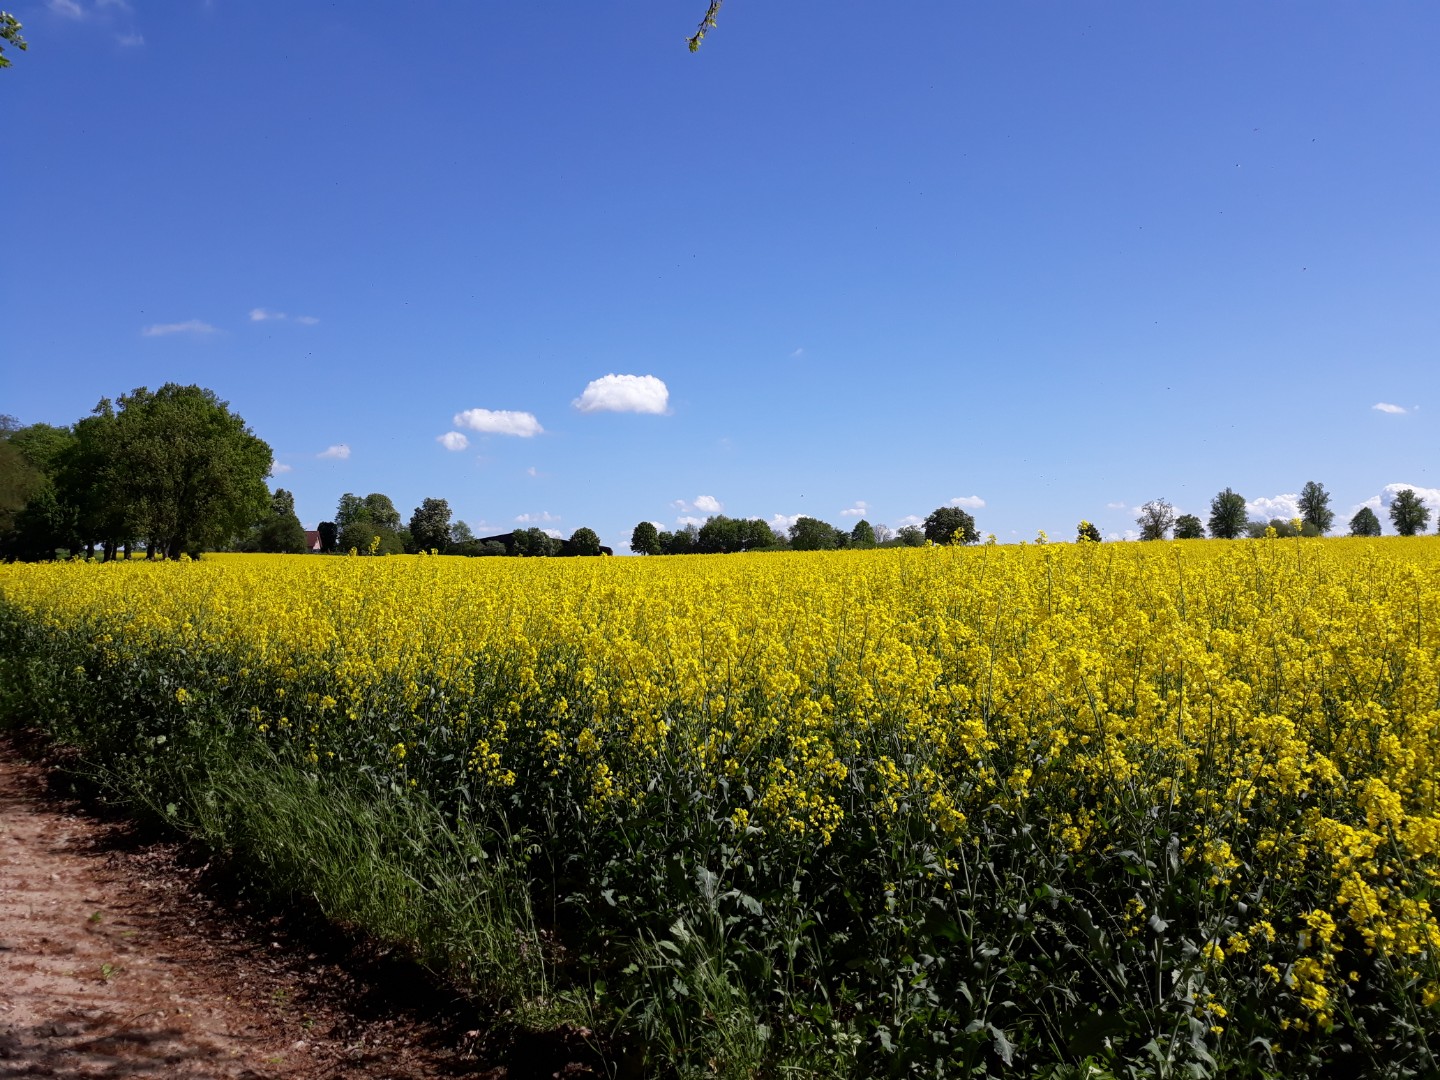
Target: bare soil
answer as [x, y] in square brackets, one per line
[126, 956]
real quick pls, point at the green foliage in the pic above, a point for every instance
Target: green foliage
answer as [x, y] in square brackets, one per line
[950, 525]
[1227, 515]
[681, 541]
[812, 534]
[1188, 527]
[1087, 533]
[1315, 508]
[329, 537]
[1365, 523]
[460, 532]
[365, 538]
[706, 25]
[535, 543]
[430, 526]
[862, 535]
[645, 539]
[911, 536]
[583, 541]
[1155, 519]
[1408, 513]
[281, 532]
[10, 35]
[724, 535]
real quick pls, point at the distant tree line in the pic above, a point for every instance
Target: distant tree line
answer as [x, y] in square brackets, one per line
[721, 535]
[1229, 519]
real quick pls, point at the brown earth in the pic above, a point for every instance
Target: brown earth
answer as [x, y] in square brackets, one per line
[123, 956]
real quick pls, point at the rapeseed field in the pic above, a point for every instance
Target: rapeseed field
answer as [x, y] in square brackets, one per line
[1037, 810]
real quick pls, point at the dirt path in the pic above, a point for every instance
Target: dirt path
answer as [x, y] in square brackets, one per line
[116, 962]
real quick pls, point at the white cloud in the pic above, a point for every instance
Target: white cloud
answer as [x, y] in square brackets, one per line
[1284, 507]
[189, 326]
[860, 509]
[782, 522]
[554, 534]
[277, 468]
[69, 8]
[797, 354]
[499, 422]
[532, 471]
[261, 314]
[909, 519]
[1386, 407]
[131, 40]
[625, 393]
[453, 440]
[1128, 534]
[686, 519]
[969, 502]
[537, 519]
[1115, 506]
[338, 452]
[1430, 496]
[709, 504]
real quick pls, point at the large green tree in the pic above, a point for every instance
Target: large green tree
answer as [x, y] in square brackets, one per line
[281, 532]
[1189, 527]
[812, 534]
[1315, 509]
[862, 535]
[950, 525]
[430, 525]
[645, 539]
[190, 471]
[1408, 512]
[583, 541]
[1365, 523]
[1227, 515]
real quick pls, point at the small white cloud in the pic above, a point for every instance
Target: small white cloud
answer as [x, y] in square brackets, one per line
[860, 509]
[277, 468]
[625, 393]
[338, 452]
[910, 519]
[969, 502]
[130, 41]
[1386, 407]
[259, 314]
[189, 326]
[306, 320]
[797, 354]
[554, 534]
[783, 521]
[1115, 506]
[68, 8]
[541, 518]
[532, 471]
[453, 440]
[709, 504]
[1284, 507]
[500, 422]
[686, 519]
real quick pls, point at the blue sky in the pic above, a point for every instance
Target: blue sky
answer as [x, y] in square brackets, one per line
[1049, 260]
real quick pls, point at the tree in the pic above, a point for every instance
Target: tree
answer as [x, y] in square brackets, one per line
[1315, 507]
[645, 539]
[10, 33]
[19, 479]
[189, 470]
[460, 532]
[366, 538]
[706, 25]
[863, 535]
[1365, 523]
[373, 509]
[329, 537]
[1188, 527]
[1155, 519]
[430, 525]
[1087, 533]
[1408, 513]
[584, 541]
[883, 534]
[535, 543]
[1227, 515]
[812, 534]
[281, 532]
[950, 525]
[911, 536]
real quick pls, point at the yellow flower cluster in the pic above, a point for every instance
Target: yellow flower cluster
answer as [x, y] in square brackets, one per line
[1285, 692]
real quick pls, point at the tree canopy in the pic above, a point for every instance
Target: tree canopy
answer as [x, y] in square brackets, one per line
[950, 525]
[1227, 515]
[1365, 523]
[1408, 513]
[1315, 509]
[1155, 519]
[10, 34]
